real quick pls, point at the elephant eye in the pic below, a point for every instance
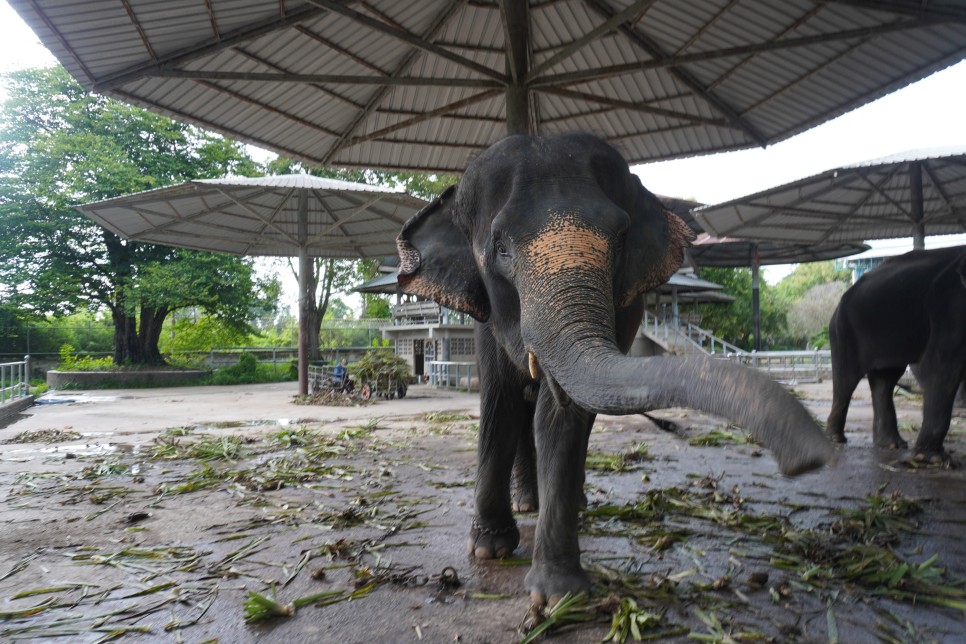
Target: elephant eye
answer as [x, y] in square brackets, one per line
[501, 248]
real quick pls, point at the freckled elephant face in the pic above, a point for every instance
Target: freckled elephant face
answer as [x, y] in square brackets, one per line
[565, 253]
[567, 243]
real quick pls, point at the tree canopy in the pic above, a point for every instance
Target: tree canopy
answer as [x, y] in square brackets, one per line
[61, 146]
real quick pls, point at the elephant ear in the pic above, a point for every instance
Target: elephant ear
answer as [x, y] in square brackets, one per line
[436, 260]
[654, 248]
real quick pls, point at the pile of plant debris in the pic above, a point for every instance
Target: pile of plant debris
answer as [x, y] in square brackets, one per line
[332, 398]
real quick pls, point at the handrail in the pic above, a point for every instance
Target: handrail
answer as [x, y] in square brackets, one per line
[14, 380]
[788, 364]
[454, 375]
[692, 337]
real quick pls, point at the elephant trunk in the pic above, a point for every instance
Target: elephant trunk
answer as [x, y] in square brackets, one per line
[575, 348]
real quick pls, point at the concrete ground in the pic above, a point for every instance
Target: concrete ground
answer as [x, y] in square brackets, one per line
[151, 515]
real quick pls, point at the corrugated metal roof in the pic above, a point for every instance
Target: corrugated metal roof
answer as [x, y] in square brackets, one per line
[423, 85]
[854, 203]
[260, 216]
[729, 252]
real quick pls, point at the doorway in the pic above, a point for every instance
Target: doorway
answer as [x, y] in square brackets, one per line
[419, 357]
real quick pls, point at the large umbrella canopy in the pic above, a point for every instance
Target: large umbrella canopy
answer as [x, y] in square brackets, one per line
[913, 194]
[424, 85]
[263, 215]
[288, 215]
[729, 252]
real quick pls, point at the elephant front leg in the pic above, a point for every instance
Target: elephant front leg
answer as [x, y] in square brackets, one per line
[561, 441]
[504, 418]
[885, 429]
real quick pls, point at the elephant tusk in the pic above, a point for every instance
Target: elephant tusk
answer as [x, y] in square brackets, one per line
[534, 365]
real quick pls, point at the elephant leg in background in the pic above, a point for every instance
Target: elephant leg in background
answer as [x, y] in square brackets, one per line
[938, 397]
[561, 439]
[504, 417]
[885, 430]
[525, 493]
[845, 378]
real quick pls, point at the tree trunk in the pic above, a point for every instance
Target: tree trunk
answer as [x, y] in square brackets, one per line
[313, 325]
[127, 348]
[152, 323]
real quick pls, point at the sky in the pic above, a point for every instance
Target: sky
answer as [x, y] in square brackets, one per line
[923, 115]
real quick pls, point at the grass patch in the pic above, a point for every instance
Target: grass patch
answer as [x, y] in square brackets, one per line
[721, 437]
[615, 463]
[44, 436]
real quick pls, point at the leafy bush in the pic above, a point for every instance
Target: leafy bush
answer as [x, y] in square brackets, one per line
[70, 361]
[248, 371]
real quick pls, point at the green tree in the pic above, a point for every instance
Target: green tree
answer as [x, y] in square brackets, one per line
[734, 322]
[60, 146]
[809, 295]
[810, 314]
[804, 276]
[331, 276]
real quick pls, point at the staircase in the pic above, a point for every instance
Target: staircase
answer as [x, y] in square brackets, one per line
[686, 338]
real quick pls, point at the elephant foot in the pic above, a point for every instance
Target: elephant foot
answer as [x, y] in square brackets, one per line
[837, 437]
[524, 501]
[525, 497]
[932, 457]
[547, 584]
[492, 543]
[890, 442]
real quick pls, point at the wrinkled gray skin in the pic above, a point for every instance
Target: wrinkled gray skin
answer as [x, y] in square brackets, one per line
[549, 244]
[910, 309]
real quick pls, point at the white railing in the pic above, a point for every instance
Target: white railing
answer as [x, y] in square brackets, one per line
[14, 380]
[453, 375]
[780, 365]
[788, 365]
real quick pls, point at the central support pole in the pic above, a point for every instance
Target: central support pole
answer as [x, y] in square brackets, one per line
[305, 269]
[516, 19]
[755, 293]
[915, 206]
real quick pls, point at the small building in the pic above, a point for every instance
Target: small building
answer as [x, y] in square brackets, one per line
[438, 343]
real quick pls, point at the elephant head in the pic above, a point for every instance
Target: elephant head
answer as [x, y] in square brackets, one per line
[551, 242]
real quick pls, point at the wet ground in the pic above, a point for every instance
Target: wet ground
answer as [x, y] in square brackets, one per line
[152, 515]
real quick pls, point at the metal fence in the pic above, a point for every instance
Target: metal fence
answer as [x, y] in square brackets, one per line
[788, 365]
[14, 380]
[453, 375]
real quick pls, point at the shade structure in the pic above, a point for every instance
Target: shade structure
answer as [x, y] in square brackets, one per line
[708, 250]
[262, 216]
[425, 85]
[287, 215]
[385, 284]
[913, 194]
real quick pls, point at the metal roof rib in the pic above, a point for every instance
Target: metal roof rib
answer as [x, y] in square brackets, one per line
[422, 86]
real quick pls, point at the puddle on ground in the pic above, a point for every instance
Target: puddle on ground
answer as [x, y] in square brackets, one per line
[70, 399]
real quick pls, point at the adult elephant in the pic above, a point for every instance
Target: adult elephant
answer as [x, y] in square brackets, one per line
[910, 309]
[549, 244]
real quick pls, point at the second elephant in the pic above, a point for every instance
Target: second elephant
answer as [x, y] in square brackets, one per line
[910, 309]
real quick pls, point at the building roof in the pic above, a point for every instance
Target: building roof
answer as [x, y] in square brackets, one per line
[874, 199]
[425, 85]
[260, 216]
